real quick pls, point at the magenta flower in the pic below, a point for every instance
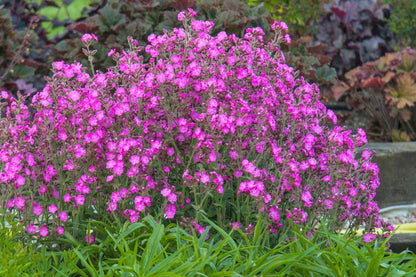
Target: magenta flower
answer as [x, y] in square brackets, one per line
[52, 209]
[10, 203]
[205, 178]
[31, 229]
[43, 232]
[170, 211]
[37, 209]
[19, 202]
[235, 226]
[307, 198]
[111, 206]
[63, 216]
[67, 198]
[165, 192]
[274, 214]
[88, 38]
[60, 230]
[369, 237]
[172, 198]
[80, 199]
[111, 52]
[89, 239]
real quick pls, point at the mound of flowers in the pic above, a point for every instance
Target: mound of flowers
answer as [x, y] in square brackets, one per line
[195, 127]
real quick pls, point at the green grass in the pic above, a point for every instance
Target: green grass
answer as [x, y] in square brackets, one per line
[147, 248]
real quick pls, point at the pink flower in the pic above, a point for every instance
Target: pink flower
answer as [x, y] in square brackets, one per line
[353, 192]
[111, 206]
[80, 199]
[43, 231]
[181, 16]
[42, 190]
[52, 209]
[4, 94]
[204, 178]
[172, 198]
[170, 151]
[260, 147]
[328, 204]
[326, 178]
[274, 214]
[212, 106]
[60, 230]
[288, 41]
[88, 38]
[31, 229]
[369, 237]
[135, 159]
[112, 51]
[307, 198]
[19, 202]
[165, 192]
[115, 196]
[63, 216]
[89, 239]
[235, 225]
[170, 211]
[67, 198]
[37, 209]
[147, 200]
[58, 65]
[332, 116]
[10, 203]
[366, 154]
[74, 95]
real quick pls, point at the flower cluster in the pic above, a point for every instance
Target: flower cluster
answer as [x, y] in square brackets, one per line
[219, 126]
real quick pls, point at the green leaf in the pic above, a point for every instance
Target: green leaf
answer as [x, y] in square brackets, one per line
[152, 247]
[326, 73]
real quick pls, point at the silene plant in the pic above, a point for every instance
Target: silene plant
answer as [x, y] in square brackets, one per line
[197, 127]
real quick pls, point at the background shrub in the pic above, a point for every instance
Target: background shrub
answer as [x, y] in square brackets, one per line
[386, 88]
[355, 31]
[402, 22]
[298, 14]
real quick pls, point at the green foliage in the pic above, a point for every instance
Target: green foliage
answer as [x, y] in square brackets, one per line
[17, 259]
[59, 10]
[298, 14]
[387, 89]
[402, 21]
[148, 248]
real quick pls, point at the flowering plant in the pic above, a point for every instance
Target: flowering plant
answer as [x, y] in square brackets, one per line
[218, 126]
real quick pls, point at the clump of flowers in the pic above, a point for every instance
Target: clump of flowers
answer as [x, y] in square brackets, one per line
[215, 126]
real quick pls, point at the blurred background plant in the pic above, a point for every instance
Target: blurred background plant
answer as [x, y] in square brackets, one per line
[402, 22]
[58, 13]
[299, 15]
[386, 88]
[355, 31]
[18, 52]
